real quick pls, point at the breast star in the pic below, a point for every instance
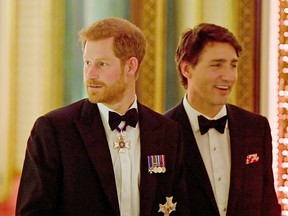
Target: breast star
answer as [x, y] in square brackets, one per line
[168, 207]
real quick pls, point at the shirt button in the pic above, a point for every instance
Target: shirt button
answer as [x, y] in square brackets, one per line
[219, 179]
[214, 148]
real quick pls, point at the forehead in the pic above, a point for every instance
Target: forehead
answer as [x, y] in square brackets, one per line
[218, 50]
[98, 47]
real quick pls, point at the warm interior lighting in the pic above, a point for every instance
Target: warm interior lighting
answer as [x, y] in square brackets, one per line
[280, 135]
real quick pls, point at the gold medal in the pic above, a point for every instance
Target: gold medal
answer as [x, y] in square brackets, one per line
[155, 170]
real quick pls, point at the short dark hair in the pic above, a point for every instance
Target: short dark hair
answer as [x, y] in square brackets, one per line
[193, 41]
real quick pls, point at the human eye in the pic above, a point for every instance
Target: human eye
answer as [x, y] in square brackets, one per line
[87, 63]
[216, 65]
[102, 64]
[234, 65]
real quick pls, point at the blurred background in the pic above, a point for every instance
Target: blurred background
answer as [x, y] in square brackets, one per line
[41, 65]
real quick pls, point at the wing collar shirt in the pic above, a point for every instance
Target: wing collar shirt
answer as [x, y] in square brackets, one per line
[214, 148]
[126, 163]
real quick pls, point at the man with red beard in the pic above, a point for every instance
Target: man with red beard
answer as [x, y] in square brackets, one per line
[108, 154]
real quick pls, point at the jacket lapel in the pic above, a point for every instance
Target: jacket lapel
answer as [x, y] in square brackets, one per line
[193, 157]
[91, 129]
[238, 155]
[148, 183]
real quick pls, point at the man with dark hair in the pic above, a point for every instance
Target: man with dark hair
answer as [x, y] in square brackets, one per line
[228, 151]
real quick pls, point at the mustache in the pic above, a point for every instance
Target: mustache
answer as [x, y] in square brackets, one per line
[94, 82]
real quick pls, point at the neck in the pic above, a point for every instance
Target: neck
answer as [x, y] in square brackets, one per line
[209, 110]
[122, 106]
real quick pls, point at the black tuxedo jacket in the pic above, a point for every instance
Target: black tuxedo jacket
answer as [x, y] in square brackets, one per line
[251, 185]
[68, 168]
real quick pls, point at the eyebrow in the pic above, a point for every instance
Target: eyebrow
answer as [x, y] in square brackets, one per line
[222, 60]
[97, 59]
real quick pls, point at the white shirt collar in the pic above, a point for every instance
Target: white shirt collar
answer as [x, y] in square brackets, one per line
[193, 114]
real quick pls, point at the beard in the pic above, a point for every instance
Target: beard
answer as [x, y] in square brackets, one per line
[108, 94]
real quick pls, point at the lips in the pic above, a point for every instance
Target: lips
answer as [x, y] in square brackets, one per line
[94, 86]
[223, 87]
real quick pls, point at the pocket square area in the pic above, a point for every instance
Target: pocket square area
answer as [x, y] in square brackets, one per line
[252, 158]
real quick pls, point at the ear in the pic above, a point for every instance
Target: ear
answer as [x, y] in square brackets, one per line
[132, 66]
[185, 69]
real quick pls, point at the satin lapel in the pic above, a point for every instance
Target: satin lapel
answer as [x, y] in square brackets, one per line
[238, 155]
[93, 134]
[148, 183]
[193, 157]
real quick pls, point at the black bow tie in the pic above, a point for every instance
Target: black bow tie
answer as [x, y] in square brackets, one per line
[130, 118]
[206, 124]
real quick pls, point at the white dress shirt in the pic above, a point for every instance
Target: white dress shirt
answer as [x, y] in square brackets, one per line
[126, 163]
[214, 148]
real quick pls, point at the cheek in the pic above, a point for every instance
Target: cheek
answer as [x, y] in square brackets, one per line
[86, 74]
[112, 76]
[236, 76]
[201, 79]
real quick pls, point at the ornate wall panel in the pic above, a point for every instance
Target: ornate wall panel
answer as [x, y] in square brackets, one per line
[149, 15]
[247, 88]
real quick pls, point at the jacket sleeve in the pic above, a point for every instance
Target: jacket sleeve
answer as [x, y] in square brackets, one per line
[270, 206]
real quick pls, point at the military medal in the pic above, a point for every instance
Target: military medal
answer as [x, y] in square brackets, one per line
[168, 207]
[156, 164]
[121, 143]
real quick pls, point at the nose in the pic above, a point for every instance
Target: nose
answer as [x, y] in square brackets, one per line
[230, 73]
[91, 72]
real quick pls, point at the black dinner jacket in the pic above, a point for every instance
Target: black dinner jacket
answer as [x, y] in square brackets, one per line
[251, 185]
[68, 168]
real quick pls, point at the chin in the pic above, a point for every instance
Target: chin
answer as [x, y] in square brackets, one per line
[222, 102]
[94, 99]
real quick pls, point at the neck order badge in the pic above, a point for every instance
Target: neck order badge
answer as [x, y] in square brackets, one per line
[121, 143]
